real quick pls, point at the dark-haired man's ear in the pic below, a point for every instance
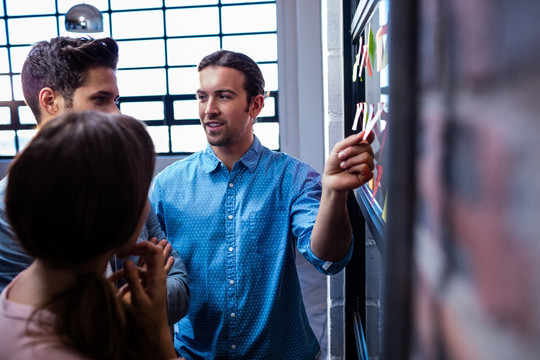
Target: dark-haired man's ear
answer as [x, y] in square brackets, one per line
[50, 102]
[256, 106]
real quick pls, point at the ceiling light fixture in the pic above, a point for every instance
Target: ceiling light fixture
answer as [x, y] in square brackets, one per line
[84, 18]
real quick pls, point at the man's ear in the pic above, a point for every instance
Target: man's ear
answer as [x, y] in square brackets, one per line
[50, 101]
[256, 106]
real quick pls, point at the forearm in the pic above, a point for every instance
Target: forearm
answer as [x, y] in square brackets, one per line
[178, 293]
[178, 297]
[332, 235]
[166, 341]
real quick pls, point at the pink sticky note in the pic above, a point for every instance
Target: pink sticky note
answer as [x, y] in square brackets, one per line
[383, 30]
[377, 182]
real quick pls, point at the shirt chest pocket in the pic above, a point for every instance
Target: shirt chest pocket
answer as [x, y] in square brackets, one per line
[268, 231]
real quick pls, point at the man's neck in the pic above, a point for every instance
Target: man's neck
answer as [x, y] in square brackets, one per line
[229, 156]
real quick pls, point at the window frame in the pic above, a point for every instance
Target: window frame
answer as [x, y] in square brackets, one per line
[167, 98]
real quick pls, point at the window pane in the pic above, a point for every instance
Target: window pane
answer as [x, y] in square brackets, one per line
[144, 110]
[137, 24]
[183, 80]
[189, 2]
[1, 8]
[187, 138]
[25, 136]
[269, 109]
[4, 63]
[160, 137]
[3, 39]
[190, 51]
[141, 82]
[270, 74]
[195, 21]
[7, 143]
[65, 5]
[106, 28]
[26, 116]
[18, 7]
[268, 134]
[250, 18]
[22, 31]
[130, 4]
[5, 88]
[257, 47]
[5, 115]
[133, 53]
[18, 56]
[17, 88]
[186, 109]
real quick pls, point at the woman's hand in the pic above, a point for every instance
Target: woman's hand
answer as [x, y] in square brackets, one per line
[146, 284]
[146, 287]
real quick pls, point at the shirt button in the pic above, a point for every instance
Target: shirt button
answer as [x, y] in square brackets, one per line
[231, 282]
[230, 217]
[233, 346]
[233, 314]
[231, 248]
[231, 184]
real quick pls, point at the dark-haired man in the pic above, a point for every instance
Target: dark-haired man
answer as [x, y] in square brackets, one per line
[236, 211]
[74, 74]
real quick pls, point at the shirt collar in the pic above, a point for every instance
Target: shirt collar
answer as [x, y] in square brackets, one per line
[249, 159]
[252, 156]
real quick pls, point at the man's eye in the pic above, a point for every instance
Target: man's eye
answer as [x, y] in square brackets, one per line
[99, 99]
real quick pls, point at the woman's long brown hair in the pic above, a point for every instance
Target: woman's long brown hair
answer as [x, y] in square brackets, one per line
[78, 191]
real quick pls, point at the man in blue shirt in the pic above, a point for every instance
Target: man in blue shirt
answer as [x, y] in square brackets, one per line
[236, 211]
[66, 74]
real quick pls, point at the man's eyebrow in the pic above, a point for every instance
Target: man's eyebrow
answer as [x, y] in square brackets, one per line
[106, 93]
[218, 91]
[221, 91]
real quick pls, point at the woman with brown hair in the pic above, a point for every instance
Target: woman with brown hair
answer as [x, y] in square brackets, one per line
[76, 195]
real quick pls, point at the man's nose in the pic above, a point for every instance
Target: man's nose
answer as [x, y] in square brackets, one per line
[211, 107]
[113, 109]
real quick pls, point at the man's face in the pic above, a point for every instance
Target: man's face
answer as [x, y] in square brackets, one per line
[225, 115]
[100, 92]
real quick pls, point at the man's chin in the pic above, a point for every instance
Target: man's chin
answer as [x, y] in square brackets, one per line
[216, 142]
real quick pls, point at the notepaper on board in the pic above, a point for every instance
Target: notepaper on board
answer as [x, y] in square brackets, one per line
[359, 108]
[382, 57]
[356, 65]
[377, 182]
[373, 121]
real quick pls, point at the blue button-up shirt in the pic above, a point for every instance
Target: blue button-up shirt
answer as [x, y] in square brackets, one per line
[236, 233]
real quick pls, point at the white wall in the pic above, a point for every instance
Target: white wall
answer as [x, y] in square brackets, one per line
[300, 80]
[311, 108]
[332, 55]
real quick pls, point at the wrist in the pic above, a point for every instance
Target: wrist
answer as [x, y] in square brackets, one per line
[329, 191]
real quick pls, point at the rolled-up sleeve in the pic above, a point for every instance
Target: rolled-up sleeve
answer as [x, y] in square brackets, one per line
[304, 213]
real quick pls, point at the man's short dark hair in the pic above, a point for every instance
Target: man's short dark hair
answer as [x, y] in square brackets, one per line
[62, 64]
[254, 80]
